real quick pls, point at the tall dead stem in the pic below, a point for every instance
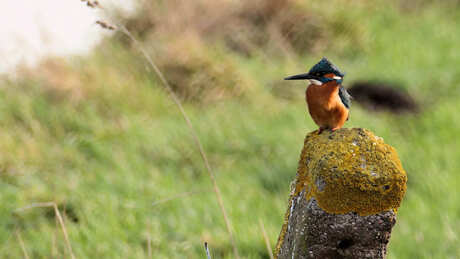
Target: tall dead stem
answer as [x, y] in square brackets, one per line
[178, 103]
[58, 216]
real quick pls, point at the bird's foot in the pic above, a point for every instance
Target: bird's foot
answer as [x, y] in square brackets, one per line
[334, 129]
[321, 129]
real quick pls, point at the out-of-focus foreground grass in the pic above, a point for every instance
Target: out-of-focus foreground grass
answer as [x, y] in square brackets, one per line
[99, 136]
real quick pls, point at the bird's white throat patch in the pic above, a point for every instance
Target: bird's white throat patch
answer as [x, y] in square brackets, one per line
[315, 82]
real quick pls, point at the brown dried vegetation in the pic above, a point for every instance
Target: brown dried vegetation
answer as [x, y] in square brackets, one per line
[185, 35]
[194, 74]
[57, 78]
[196, 44]
[243, 26]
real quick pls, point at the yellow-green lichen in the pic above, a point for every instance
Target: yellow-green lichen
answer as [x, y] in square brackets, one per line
[351, 170]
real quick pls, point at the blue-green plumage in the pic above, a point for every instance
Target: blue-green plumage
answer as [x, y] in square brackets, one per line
[324, 66]
[318, 72]
[321, 95]
[345, 97]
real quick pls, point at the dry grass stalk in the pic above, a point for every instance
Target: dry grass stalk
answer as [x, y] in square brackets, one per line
[267, 240]
[106, 25]
[206, 248]
[58, 217]
[195, 137]
[92, 4]
[21, 243]
[149, 245]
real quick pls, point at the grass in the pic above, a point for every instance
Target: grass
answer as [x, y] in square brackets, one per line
[107, 145]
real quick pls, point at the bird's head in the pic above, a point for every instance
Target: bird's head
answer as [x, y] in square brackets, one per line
[324, 71]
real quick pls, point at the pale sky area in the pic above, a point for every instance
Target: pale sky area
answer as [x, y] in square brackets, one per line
[30, 29]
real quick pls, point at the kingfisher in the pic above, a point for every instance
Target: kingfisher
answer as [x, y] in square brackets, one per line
[327, 100]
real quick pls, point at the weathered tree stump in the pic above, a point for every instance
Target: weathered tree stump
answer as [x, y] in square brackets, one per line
[343, 202]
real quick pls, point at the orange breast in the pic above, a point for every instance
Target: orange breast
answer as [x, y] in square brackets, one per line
[325, 106]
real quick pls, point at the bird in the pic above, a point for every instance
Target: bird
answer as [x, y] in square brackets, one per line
[327, 100]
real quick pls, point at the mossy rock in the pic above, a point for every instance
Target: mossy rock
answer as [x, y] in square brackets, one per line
[351, 170]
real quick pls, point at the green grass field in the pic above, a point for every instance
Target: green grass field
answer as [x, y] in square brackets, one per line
[100, 137]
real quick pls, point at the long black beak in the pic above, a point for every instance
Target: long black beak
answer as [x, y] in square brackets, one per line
[301, 77]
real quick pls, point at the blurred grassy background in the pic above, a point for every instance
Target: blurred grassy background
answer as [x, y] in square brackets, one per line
[98, 135]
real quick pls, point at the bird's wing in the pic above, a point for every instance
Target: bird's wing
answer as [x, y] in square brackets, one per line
[345, 97]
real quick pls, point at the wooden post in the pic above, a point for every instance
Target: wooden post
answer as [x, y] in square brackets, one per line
[344, 199]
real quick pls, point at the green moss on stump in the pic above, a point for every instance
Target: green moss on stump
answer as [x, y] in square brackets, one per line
[351, 170]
